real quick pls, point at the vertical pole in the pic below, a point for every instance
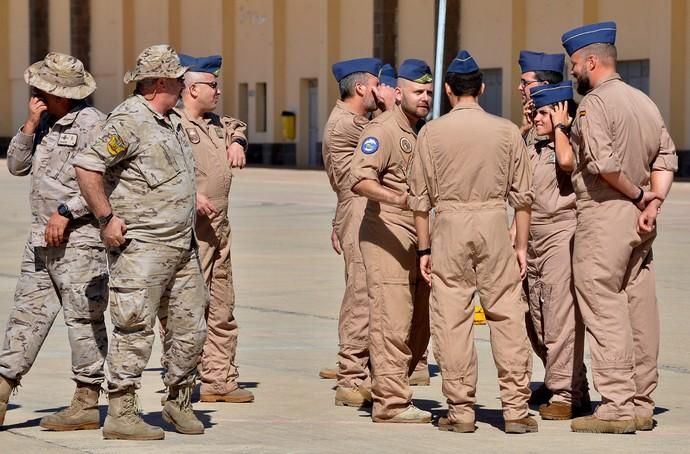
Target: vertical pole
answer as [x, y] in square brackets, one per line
[438, 65]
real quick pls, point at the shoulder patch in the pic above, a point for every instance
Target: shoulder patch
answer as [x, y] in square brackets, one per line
[406, 145]
[116, 145]
[360, 120]
[370, 145]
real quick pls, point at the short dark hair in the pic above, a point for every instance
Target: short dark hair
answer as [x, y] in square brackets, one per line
[469, 84]
[604, 51]
[348, 83]
[551, 77]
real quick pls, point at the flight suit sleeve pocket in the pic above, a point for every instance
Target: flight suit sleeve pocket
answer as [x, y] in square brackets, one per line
[158, 166]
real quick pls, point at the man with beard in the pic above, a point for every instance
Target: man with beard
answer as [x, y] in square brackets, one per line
[399, 298]
[466, 165]
[358, 82]
[624, 167]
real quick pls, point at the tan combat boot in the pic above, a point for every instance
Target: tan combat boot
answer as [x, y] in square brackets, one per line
[328, 373]
[6, 388]
[411, 415]
[82, 414]
[556, 411]
[592, 424]
[236, 396]
[178, 411]
[352, 397]
[521, 426]
[420, 378]
[460, 427]
[644, 423]
[123, 421]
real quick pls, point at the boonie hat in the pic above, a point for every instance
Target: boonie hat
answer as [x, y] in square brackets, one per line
[156, 61]
[60, 75]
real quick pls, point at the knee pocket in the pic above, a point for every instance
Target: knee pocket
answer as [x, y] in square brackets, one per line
[129, 308]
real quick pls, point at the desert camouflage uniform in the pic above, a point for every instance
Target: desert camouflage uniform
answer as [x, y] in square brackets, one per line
[149, 175]
[72, 276]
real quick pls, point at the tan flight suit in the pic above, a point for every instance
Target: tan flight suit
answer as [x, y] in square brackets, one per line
[210, 138]
[618, 128]
[466, 165]
[557, 322]
[148, 169]
[398, 295]
[341, 133]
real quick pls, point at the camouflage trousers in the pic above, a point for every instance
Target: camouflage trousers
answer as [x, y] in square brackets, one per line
[70, 278]
[149, 280]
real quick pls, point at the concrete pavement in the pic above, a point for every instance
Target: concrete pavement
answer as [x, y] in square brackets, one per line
[288, 285]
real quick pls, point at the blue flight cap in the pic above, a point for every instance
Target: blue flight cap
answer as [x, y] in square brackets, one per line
[210, 64]
[416, 71]
[603, 32]
[545, 95]
[463, 63]
[344, 68]
[388, 76]
[539, 61]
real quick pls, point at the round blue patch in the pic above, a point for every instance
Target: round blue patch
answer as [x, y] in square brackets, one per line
[370, 145]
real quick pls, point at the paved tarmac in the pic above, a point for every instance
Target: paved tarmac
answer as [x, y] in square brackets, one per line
[289, 284]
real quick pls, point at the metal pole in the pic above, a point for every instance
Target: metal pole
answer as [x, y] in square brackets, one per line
[438, 65]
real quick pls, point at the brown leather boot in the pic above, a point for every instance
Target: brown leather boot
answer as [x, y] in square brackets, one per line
[124, 421]
[557, 411]
[82, 414]
[644, 423]
[592, 424]
[521, 426]
[460, 427]
[6, 388]
[328, 373]
[178, 411]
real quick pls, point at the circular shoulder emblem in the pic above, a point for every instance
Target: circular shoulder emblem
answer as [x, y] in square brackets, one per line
[406, 145]
[370, 145]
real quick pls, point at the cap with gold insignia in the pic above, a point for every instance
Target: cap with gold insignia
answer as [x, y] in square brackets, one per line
[577, 38]
[156, 61]
[416, 71]
[344, 68]
[463, 63]
[210, 64]
[61, 75]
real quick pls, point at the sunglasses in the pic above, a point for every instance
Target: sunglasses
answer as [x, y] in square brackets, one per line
[213, 85]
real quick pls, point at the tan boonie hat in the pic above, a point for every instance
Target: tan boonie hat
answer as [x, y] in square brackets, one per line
[156, 61]
[61, 75]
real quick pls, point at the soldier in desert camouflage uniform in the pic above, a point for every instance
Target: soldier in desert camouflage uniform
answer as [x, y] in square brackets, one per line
[144, 163]
[63, 265]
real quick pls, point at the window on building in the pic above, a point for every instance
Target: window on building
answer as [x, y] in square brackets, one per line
[636, 73]
[260, 111]
[492, 100]
[243, 102]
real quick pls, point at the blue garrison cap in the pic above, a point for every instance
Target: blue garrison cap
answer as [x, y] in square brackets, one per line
[344, 68]
[539, 61]
[416, 71]
[545, 95]
[603, 32]
[388, 76]
[210, 64]
[463, 63]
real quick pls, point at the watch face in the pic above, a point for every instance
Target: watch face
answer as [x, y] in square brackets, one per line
[63, 210]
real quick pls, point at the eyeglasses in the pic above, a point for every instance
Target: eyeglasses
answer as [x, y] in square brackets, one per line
[525, 83]
[213, 85]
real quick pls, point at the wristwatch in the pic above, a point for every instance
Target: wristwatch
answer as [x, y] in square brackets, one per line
[241, 141]
[423, 252]
[63, 210]
[103, 220]
[564, 128]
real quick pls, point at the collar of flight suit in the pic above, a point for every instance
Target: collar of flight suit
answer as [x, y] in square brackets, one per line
[467, 105]
[205, 118]
[614, 76]
[402, 120]
[344, 106]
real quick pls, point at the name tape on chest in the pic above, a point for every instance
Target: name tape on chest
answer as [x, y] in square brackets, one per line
[193, 135]
[68, 139]
[406, 145]
[219, 132]
[370, 145]
[116, 145]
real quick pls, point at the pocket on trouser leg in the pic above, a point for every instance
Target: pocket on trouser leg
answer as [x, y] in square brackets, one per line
[128, 308]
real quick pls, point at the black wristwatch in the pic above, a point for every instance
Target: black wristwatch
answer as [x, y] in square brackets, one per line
[103, 220]
[423, 252]
[63, 210]
[639, 197]
[564, 128]
[241, 141]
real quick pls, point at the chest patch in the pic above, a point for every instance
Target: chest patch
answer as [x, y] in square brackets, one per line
[551, 159]
[67, 140]
[405, 145]
[193, 135]
[370, 145]
[219, 132]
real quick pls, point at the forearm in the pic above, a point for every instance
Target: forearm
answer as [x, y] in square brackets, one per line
[91, 186]
[661, 181]
[621, 182]
[373, 190]
[564, 151]
[522, 219]
[421, 224]
[20, 154]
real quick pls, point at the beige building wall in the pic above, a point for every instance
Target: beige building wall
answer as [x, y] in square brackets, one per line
[18, 32]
